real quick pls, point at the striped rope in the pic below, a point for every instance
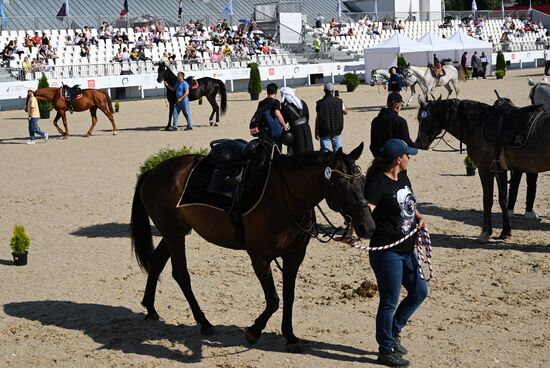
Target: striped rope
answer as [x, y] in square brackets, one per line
[422, 241]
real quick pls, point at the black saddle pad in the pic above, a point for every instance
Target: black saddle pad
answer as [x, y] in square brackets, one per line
[511, 127]
[206, 182]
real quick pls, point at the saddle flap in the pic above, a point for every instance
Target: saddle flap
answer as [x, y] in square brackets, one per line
[510, 126]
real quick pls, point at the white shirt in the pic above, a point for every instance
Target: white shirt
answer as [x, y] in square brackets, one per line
[547, 55]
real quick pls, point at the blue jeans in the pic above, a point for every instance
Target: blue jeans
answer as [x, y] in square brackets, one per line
[182, 107]
[393, 269]
[34, 129]
[334, 141]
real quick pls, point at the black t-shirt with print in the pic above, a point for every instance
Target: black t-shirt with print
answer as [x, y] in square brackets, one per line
[395, 212]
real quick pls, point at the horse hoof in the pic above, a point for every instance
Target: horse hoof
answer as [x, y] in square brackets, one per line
[208, 331]
[211, 123]
[115, 132]
[249, 337]
[294, 348]
[483, 237]
[505, 234]
[152, 316]
[65, 136]
[215, 124]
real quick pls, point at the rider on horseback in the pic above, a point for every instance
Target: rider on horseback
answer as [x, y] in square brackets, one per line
[436, 68]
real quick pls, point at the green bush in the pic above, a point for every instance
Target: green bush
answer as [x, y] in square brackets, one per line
[167, 153]
[501, 63]
[469, 163]
[255, 82]
[401, 62]
[117, 105]
[20, 241]
[43, 83]
[500, 74]
[351, 80]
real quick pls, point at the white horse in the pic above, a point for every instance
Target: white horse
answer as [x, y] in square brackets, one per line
[540, 94]
[381, 76]
[428, 82]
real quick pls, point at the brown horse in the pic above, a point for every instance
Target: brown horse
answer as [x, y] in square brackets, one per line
[279, 225]
[92, 99]
[464, 119]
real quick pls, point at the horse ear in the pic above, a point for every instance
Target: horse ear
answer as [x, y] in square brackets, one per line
[356, 153]
[421, 101]
[530, 82]
[440, 98]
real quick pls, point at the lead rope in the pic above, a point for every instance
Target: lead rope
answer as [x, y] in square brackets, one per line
[422, 241]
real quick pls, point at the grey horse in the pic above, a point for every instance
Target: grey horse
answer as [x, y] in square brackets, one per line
[540, 94]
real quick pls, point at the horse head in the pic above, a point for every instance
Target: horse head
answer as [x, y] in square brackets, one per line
[373, 77]
[161, 74]
[428, 128]
[344, 191]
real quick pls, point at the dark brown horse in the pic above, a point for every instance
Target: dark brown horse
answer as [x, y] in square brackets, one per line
[464, 120]
[207, 87]
[92, 99]
[278, 226]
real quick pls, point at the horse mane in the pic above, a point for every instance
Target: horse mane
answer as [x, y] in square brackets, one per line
[462, 111]
[302, 160]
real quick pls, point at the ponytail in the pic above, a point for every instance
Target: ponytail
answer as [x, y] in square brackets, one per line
[378, 165]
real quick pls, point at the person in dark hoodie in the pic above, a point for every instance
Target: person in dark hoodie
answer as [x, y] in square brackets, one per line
[388, 124]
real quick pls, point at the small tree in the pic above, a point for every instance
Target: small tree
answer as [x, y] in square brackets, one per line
[43, 83]
[401, 62]
[351, 80]
[255, 82]
[20, 241]
[501, 63]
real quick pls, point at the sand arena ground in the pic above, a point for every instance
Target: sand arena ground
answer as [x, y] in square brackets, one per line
[77, 303]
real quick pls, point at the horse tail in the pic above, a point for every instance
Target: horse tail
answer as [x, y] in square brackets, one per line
[142, 239]
[461, 73]
[223, 94]
[109, 102]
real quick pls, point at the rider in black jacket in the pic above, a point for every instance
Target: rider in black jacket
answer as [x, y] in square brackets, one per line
[388, 124]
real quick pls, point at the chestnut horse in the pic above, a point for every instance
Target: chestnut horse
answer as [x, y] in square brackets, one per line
[92, 99]
[279, 225]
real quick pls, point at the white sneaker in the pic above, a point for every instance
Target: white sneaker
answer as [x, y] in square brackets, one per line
[31, 142]
[531, 215]
[511, 213]
[46, 136]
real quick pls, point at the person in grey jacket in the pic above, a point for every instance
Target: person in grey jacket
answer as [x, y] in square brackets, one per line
[476, 66]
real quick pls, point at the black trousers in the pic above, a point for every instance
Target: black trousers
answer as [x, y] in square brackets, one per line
[547, 68]
[531, 190]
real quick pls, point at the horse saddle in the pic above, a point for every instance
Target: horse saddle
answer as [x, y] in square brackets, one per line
[193, 83]
[510, 126]
[231, 177]
[437, 70]
[71, 93]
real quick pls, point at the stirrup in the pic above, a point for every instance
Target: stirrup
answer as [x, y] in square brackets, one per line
[496, 167]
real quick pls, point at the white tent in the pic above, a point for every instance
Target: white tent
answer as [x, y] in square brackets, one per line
[443, 48]
[471, 44]
[384, 55]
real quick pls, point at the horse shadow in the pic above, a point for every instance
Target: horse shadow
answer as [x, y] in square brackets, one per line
[121, 329]
[108, 230]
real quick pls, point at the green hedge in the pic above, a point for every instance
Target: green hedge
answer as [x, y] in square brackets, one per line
[255, 82]
[43, 83]
[167, 153]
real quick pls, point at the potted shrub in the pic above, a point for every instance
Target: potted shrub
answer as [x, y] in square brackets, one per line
[501, 66]
[19, 243]
[117, 106]
[44, 106]
[470, 166]
[401, 63]
[255, 82]
[351, 80]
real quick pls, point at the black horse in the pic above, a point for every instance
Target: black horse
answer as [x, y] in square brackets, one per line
[207, 87]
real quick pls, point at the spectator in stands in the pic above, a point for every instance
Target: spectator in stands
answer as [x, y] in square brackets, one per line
[125, 55]
[42, 66]
[139, 43]
[28, 42]
[265, 49]
[124, 37]
[226, 51]
[26, 68]
[43, 52]
[102, 35]
[45, 39]
[117, 38]
[214, 57]
[332, 23]
[134, 54]
[318, 23]
[34, 65]
[350, 31]
[329, 122]
[118, 56]
[85, 52]
[147, 42]
[36, 39]
[316, 45]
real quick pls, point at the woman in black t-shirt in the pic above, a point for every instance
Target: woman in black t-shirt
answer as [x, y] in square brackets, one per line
[393, 204]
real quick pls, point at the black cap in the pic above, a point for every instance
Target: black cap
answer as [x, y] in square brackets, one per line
[394, 97]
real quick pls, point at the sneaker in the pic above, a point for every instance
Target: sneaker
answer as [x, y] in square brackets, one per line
[188, 128]
[46, 136]
[511, 213]
[172, 129]
[531, 215]
[31, 142]
[392, 359]
[397, 347]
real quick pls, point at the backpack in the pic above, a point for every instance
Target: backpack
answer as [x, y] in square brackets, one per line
[263, 121]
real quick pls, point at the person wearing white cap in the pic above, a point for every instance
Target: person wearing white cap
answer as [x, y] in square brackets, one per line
[329, 122]
[296, 113]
